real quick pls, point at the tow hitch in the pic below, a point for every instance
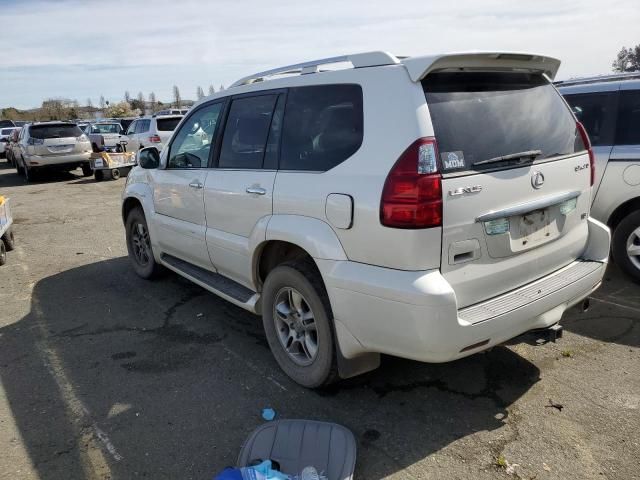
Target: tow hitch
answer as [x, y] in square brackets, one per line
[554, 332]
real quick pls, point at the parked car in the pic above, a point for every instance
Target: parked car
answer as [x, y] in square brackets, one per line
[5, 133]
[609, 108]
[12, 145]
[111, 132]
[7, 123]
[59, 145]
[172, 111]
[356, 225]
[151, 131]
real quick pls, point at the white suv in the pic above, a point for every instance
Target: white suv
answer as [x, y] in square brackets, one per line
[428, 207]
[151, 131]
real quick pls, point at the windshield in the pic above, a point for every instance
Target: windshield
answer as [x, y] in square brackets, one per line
[483, 116]
[106, 128]
[168, 124]
[6, 131]
[54, 131]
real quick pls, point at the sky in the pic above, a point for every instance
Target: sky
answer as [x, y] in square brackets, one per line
[81, 49]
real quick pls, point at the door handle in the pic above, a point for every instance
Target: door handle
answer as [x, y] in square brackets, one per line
[196, 185]
[256, 190]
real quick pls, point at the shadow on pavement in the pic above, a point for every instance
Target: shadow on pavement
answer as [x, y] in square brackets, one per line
[175, 379]
[13, 179]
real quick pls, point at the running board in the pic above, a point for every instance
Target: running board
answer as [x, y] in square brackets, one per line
[214, 282]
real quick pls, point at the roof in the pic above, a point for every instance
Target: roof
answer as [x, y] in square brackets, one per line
[616, 77]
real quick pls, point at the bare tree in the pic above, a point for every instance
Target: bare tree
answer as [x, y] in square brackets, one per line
[127, 97]
[89, 103]
[140, 97]
[102, 103]
[152, 101]
[199, 93]
[221, 88]
[211, 90]
[176, 96]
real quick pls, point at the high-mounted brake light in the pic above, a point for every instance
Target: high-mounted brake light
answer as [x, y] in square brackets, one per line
[587, 145]
[155, 139]
[412, 193]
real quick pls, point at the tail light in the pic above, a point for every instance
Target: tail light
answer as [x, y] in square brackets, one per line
[587, 145]
[412, 194]
[155, 139]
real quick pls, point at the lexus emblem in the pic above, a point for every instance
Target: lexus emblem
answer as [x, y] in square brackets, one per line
[537, 180]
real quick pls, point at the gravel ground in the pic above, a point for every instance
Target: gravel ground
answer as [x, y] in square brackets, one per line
[104, 375]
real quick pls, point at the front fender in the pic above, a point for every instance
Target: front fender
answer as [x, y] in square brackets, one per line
[314, 236]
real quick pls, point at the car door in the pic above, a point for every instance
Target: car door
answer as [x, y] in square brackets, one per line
[239, 190]
[627, 147]
[178, 188]
[132, 142]
[142, 133]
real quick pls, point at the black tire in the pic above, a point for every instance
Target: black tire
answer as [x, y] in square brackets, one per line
[18, 167]
[115, 173]
[29, 173]
[3, 253]
[304, 277]
[144, 264]
[98, 175]
[87, 171]
[9, 240]
[621, 235]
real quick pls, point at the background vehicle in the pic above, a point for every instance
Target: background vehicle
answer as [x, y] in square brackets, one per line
[12, 146]
[609, 108]
[57, 145]
[5, 133]
[151, 131]
[7, 123]
[358, 225]
[111, 132]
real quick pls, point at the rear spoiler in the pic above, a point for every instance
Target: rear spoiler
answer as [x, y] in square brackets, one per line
[420, 67]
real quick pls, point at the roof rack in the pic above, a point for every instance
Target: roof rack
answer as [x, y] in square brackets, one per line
[358, 60]
[600, 78]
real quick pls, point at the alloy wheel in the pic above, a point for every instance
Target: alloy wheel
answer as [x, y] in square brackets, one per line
[295, 326]
[141, 243]
[633, 248]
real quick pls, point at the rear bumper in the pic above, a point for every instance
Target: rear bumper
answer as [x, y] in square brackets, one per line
[415, 315]
[56, 160]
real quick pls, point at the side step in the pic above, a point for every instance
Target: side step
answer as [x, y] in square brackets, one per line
[215, 281]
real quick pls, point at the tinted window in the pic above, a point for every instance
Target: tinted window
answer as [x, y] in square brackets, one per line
[628, 126]
[322, 127]
[6, 131]
[192, 143]
[142, 126]
[106, 128]
[246, 132]
[597, 112]
[168, 124]
[54, 131]
[485, 115]
[132, 128]
[6, 123]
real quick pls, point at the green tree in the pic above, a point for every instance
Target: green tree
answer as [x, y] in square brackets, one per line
[627, 60]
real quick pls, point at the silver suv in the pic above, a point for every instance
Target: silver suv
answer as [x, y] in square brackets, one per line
[426, 207]
[46, 145]
[609, 108]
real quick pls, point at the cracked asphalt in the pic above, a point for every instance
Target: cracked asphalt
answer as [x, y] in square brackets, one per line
[107, 376]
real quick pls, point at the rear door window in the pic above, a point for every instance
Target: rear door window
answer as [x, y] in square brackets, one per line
[246, 132]
[323, 126]
[54, 131]
[628, 126]
[168, 124]
[597, 112]
[480, 116]
[143, 126]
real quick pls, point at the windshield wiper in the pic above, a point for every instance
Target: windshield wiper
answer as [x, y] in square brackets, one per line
[527, 154]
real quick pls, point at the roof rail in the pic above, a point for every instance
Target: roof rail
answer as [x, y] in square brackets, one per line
[599, 78]
[358, 60]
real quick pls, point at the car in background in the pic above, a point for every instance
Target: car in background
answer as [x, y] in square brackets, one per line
[609, 109]
[52, 145]
[173, 111]
[111, 132]
[12, 146]
[5, 133]
[7, 123]
[125, 122]
[152, 131]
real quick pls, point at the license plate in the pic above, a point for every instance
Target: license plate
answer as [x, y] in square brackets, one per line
[534, 226]
[98, 163]
[60, 148]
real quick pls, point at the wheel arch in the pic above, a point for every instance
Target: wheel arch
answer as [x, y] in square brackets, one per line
[622, 211]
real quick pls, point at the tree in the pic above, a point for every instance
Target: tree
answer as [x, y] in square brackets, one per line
[221, 88]
[199, 93]
[121, 109]
[176, 96]
[138, 103]
[89, 103]
[627, 60]
[127, 97]
[152, 101]
[211, 90]
[140, 97]
[102, 103]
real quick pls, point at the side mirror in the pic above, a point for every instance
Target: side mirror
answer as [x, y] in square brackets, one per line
[149, 158]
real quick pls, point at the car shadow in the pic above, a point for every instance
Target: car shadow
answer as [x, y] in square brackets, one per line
[13, 179]
[111, 376]
[614, 312]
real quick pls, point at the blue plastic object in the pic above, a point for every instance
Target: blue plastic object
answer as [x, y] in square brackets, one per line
[256, 472]
[268, 414]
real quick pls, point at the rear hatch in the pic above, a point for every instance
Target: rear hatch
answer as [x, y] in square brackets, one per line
[516, 179]
[166, 126]
[111, 133]
[54, 139]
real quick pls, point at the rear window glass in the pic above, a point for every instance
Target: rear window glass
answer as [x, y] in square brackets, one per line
[6, 123]
[6, 131]
[54, 131]
[106, 128]
[597, 112]
[483, 116]
[628, 131]
[168, 124]
[322, 127]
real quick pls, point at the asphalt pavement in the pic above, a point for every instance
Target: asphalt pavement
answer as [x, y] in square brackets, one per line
[107, 376]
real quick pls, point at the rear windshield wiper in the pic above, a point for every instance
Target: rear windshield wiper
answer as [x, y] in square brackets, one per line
[527, 155]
